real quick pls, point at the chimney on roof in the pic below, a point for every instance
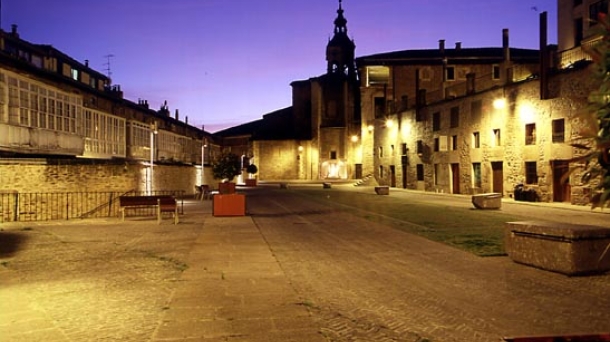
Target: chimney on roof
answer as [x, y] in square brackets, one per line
[87, 63]
[505, 45]
[458, 45]
[177, 115]
[441, 46]
[186, 119]
[14, 30]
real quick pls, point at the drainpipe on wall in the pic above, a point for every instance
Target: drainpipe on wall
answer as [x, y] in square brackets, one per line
[441, 49]
[506, 56]
[544, 58]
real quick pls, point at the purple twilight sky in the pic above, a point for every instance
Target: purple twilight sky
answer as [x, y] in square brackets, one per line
[224, 63]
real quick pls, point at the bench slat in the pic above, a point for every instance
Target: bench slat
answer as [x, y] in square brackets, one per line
[163, 203]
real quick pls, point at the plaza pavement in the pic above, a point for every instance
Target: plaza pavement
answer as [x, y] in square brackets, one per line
[206, 279]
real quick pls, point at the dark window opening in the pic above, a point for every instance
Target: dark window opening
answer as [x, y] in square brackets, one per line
[596, 8]
[496, 72]
[450, 73]
[436, 121]
[530, 134]
[380, 107]
[558, 130]
[455, 117]
[420, 172]
[531, 175]
[476, 140]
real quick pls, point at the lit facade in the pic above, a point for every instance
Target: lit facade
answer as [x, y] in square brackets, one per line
[469, 121]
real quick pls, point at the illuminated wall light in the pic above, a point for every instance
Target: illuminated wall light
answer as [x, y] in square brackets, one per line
[499, 103]
[354, 138]
[406, 129]
[527, 113]
[370, 128]
[389, 123]
[300, 148]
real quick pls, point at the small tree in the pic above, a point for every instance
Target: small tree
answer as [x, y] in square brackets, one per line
[252, 169]
[226, 167]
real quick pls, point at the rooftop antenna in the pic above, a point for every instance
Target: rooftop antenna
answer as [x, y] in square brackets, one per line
[107, 64]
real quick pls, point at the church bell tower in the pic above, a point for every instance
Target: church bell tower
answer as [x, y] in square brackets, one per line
[340, 51]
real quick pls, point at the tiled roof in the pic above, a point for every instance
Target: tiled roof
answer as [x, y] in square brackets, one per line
[432, 56]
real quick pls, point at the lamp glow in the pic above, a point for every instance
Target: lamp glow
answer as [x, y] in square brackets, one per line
[499, 103]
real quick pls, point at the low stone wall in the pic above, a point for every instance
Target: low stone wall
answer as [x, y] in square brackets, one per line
[101, 177]
[565, 248]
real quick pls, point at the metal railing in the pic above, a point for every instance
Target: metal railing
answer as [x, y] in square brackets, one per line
[50, 206]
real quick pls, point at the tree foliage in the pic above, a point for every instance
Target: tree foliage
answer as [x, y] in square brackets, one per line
[596, 143]
[226, 167]
[252, 169]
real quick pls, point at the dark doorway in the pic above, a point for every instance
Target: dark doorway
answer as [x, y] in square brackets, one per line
[497, 170]
[455, 178]
[358, 171]
[404, 176]
[393, 176]
[561, 181]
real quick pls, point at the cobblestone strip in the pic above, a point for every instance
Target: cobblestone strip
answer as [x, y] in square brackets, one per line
[371, 282]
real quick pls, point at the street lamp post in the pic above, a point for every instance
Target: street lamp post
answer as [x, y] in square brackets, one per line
[153, 131]
[203, 146]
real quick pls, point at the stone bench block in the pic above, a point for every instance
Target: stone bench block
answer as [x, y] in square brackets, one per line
[382, 190]
[327, 185]
[487, 201]
[559, 247]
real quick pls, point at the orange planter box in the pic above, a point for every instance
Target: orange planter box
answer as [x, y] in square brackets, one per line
[229, 205]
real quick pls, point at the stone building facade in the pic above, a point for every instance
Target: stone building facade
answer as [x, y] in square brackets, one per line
[490, 142]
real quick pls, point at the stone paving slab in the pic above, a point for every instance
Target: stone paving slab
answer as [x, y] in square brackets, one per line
[293, 271]
[234, 290]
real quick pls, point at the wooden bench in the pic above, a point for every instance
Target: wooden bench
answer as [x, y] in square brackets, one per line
[162, 203]
[559, 247]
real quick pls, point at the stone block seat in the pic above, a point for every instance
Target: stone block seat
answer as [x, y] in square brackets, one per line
[382, 190]
[487, 201]
[569, 249]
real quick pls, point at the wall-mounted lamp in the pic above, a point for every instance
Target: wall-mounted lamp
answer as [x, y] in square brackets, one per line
[499, 103]
[389, 123]
[370, 128]
[354, 138]
[300, 148]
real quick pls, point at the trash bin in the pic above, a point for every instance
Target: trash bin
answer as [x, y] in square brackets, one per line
[518, 193]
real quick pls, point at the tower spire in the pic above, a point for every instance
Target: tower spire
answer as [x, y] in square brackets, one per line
[340, 49]
[340, 22]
